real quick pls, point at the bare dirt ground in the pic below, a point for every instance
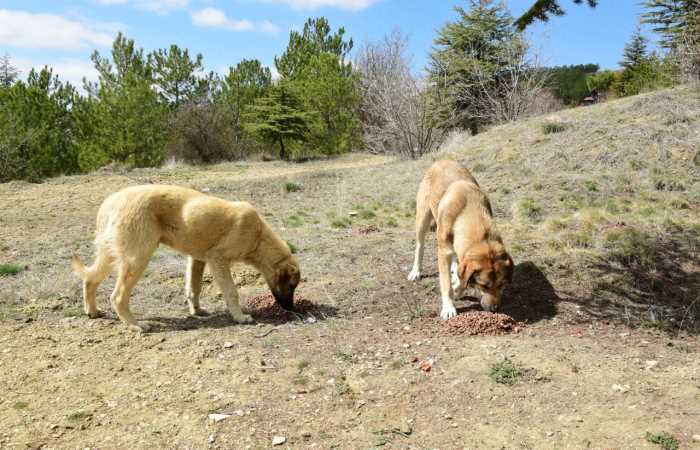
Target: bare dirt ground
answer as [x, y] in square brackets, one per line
[606, 284]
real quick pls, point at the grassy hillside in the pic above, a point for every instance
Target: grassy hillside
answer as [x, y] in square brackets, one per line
[597, 205]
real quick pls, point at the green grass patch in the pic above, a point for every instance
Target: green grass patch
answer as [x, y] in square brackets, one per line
[630, 245]
[344, 356]
[10, 269]
[78, 416]
[391, 222]
[292, 248]
[553, 127]
[366, 214]
[342, 222]
[478, 167]
[665, 440]
[72, 311]
[20, 405]
[290, 186]
[293, 221]
[505, 372]
[529, 209]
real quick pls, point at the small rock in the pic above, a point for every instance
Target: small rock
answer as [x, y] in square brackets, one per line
[279, 440]
[306, 434]
[550, 433]
[228, 344]
[53, 427]
[650, 364]
[212, 438]
[620, 388]
[218, 417]
[696, 438]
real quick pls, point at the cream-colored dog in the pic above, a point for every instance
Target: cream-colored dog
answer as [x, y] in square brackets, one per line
[470, 250]
[133, 222]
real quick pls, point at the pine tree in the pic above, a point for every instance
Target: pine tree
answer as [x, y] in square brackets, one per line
[176, 75]
[466, 52]
[673, 19]
[635, 50]
[543, 9]
[8, 73]
[278, 118]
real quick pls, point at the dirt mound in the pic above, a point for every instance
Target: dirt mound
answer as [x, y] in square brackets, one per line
[265, 307]
[481, 322]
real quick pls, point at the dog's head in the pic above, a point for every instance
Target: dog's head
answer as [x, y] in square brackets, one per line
[284, 281]
[488, 267]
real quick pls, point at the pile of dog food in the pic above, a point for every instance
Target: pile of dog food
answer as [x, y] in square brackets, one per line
[481, 322]
[265, 307]
[367, 229]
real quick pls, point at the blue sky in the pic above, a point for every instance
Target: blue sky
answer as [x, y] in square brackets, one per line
[63, 33]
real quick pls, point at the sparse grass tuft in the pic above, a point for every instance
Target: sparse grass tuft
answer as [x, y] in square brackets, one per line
[553, 127]
[20, 405]
[366, 214]
[528, 209]
[78, 415]
[343, 222]
[290, 186]
[293, 221]
[478, 167]
[505, 372]
[344, 356]
[630, 246]
[669, 185]
[665, 440]
[72, 311]
[391, 222]
[300, 380]
[292, 248]
[10, 269]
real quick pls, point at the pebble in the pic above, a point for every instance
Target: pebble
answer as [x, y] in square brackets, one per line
[279, 440]
[228, 344]
[218, 417]
[306, 434]
[550, 433]
[696, 438]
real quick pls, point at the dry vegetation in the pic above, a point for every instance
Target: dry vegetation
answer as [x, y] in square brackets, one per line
[601, 219]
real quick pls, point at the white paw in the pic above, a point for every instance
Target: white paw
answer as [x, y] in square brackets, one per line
[448, 311]
[243, 318]
[414, 275]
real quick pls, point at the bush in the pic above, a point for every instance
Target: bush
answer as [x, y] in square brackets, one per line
[665, 440]
[553, 127]
[505, 372]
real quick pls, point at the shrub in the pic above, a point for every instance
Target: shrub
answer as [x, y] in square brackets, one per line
[630, 246]
[290, 186]
[665, 440]
[528, 209]
[553, 127]
[505, 372]
[10, 269]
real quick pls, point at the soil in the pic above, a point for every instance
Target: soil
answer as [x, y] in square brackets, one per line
[349, 378]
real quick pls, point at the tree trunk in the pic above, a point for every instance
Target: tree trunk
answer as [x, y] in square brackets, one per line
[283, 154]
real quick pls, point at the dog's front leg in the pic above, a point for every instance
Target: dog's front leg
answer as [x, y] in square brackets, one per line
[193, 286]
[444, 260]
[222, 276]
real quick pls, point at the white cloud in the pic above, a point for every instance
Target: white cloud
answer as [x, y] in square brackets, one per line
[28, 30]
[159, 6]
[352, 5]
[216, 18]
[67, 69]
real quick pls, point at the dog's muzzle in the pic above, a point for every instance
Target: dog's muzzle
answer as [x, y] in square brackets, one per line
[284, 299]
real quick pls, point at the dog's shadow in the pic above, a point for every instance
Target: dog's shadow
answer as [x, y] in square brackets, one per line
[529, 298]
[271, 315]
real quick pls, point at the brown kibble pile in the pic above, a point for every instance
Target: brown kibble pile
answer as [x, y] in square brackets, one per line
[265, 306]
[367, 229]
[481, 322]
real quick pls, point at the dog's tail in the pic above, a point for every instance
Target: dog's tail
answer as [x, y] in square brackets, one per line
[79, 267]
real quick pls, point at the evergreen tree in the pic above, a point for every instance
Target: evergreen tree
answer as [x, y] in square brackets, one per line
[316, 38]
[8, 72]
[176, 75]
[123, 119]
[543, 9]
[635, 50]
[245, 83]
[673, 19]
[278, 118]
[466, 52]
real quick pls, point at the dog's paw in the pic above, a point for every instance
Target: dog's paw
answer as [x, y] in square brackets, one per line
[448, 311]
[199, 313]
[243, 318]
[95, 315]
[140, 327]
[414, 275]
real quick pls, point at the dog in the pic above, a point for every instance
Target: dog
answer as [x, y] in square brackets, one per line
[470, 250]
[133, 222]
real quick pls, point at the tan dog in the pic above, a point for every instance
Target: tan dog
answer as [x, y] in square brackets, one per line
[133, 222]
[470, 250]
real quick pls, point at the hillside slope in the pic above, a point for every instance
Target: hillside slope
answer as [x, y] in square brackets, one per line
[601, 219]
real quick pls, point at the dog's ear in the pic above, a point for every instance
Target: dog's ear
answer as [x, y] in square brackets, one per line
[466, 270]
[509, 268]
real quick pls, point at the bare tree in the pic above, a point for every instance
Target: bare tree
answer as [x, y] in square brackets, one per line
[8, 72]
[397, 106]
[507, 90]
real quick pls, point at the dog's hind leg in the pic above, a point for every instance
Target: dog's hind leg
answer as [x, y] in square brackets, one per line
[222, 276]
[94, 275]
[424, 218]
[193, 286]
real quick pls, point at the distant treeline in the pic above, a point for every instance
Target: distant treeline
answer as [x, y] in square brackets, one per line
[146, 108]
